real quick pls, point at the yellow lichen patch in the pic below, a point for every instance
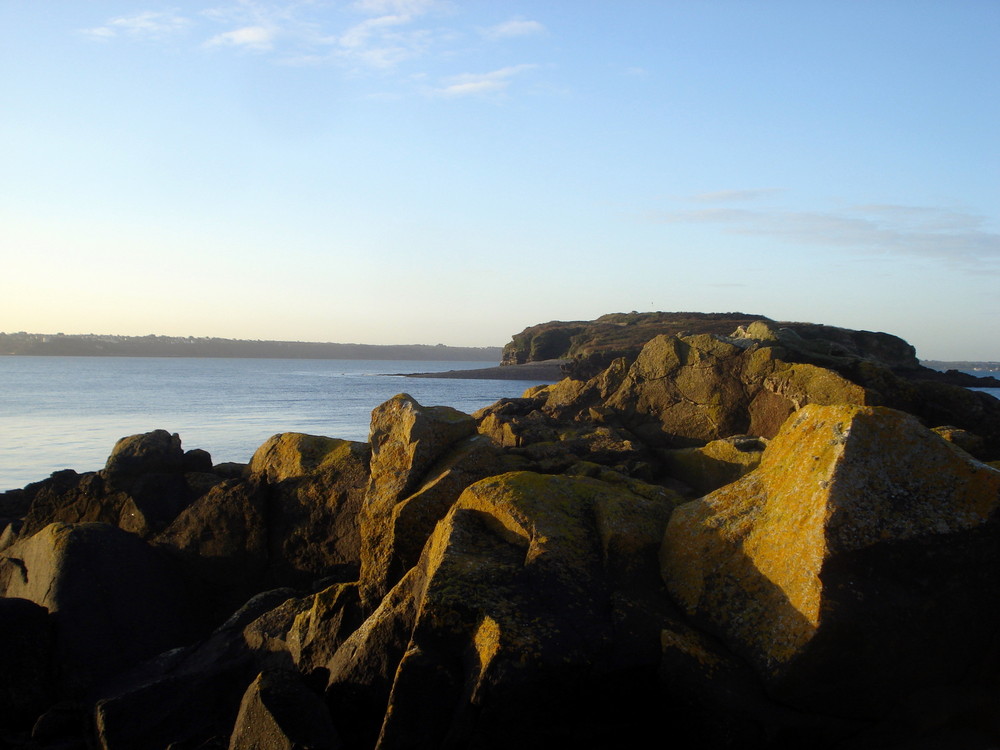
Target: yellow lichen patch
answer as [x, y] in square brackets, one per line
[486, 641]
[294, 454]
[689, 645]
[748, 558]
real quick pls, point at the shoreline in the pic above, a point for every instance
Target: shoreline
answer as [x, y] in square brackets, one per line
[547, 371]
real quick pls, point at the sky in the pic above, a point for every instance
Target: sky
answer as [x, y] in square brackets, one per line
[440, 171]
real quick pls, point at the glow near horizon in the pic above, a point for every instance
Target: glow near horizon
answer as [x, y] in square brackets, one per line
[414, 171]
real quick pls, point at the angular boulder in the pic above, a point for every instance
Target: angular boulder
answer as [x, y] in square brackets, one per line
[859, 562]
[316, 486]
[685, 391]
[715, 464]
[220, 541]
[280, 712]
[113, 599]
[156, 452]
[535, 598]
[406, 439]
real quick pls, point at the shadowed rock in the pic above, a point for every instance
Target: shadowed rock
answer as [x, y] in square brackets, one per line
[113, 599]
[841, 567]
[279, 712]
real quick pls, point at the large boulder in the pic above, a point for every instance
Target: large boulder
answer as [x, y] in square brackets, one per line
[147, 481]
[280, 712]
[316, 486]
[220, 541]
[190, 696]
[113, 599]
[858, 563]
[532, 599]
[687, 391]
[406, 440]
[715, 464]
[156, 452]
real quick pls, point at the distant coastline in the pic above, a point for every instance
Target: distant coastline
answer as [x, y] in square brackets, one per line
[963, 365]
[98, 345]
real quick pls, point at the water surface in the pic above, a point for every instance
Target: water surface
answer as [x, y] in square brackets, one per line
[67, 412]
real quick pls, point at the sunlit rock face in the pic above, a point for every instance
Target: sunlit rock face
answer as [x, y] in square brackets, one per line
[863, 552]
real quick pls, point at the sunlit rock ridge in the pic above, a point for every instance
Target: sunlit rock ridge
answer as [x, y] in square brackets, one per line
[762, 535]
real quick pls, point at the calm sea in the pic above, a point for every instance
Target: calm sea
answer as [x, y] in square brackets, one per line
[67, 412]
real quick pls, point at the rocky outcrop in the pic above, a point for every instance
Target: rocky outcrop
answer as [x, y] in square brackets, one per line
[592, 345]
[315, 489]
[279, 711]
[531, 587]
[407, 439]
[723, 540]
[147, 481]
[855, 515]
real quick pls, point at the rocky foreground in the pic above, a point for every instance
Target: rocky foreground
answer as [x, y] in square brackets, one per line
[743, 541]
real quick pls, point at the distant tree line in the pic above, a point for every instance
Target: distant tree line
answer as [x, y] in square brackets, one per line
[93, 345]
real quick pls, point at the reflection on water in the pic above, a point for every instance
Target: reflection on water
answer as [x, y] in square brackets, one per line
[67, 412]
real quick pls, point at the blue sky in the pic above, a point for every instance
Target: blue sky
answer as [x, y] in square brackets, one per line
[424, 171]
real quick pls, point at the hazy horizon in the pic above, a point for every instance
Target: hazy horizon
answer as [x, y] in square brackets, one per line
[388, 171]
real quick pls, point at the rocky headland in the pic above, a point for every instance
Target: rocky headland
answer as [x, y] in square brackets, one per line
[771, 536]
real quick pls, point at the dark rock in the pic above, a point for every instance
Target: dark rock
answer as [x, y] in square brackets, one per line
[26, 668]
[113, 600]
[279, 711]
[221, 542]
[316, 487]
[515, 602]
[150, 453]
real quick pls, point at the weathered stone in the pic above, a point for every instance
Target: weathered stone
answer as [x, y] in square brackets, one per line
[279, 712]
[967, 441]
[221, 542]
[112, 598]
[406, 439]
[146, 483]
[316, 489]
[535, 577]
[156, 452]
[328, 619]
[289, 455]
[860, 561]
[190, 697]
[687, 391]
[413, 518]
[715, 464]
[830, 346]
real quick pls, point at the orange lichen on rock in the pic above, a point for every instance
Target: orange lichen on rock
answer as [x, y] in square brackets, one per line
[749, 559]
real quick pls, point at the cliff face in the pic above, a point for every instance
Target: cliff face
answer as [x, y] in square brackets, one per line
[612, 335]
[764, 539]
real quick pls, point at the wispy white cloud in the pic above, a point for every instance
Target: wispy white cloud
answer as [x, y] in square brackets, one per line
[149, 24]
[728, 196]
[256, 38]
[390, 38]
[513, 28]
[955, 238]
[470, 84]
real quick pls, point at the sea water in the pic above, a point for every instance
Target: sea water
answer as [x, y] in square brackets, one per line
[67, 412]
